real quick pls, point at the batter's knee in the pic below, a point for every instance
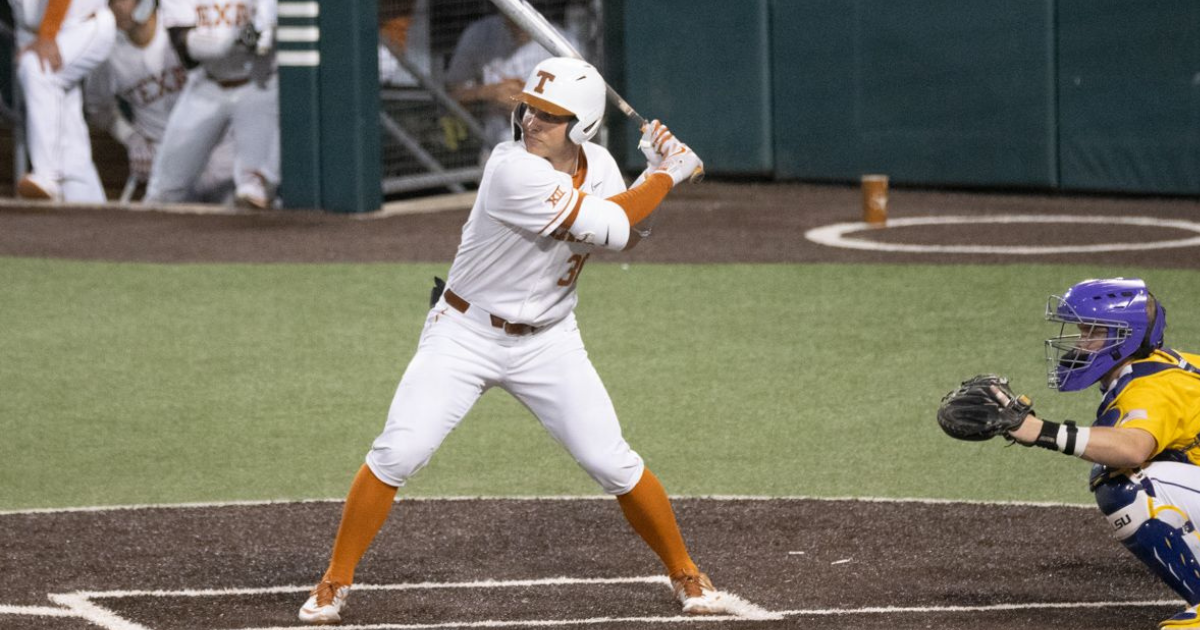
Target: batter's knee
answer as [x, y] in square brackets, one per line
[617, 473]
[395, 464]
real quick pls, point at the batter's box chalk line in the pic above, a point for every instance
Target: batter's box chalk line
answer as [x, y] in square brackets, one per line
[84, 605]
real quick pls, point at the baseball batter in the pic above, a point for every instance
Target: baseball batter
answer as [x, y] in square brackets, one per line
[1145, 441]
[145, 72]
[506, 319]
[234, 84]
[61, 42]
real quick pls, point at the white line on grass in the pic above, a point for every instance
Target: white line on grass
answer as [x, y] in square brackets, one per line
[715, 497]
[835, 235]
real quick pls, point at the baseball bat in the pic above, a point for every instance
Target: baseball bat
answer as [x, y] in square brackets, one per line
[543, 32]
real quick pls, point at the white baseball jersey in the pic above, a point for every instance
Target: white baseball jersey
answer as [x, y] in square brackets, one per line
[514, 260]
[517, 261]
[218, 18]
[150, 79]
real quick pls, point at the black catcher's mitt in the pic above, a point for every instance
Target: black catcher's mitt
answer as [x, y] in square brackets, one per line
[982, 408]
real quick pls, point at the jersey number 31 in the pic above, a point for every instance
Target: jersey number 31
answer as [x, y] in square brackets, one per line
[576, 262]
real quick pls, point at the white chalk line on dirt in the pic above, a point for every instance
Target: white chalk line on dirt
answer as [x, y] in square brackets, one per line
[715, 497]
[35, 611]
[836, 235]
[80, 605]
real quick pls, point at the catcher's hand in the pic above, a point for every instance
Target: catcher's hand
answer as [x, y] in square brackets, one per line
[982, 408]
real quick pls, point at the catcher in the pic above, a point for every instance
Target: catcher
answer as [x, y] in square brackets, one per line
[1145, 440]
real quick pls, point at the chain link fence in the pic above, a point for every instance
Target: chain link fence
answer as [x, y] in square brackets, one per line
[446, 70]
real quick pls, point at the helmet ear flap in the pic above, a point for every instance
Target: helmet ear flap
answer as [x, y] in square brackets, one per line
[580, 134]
[518, 113]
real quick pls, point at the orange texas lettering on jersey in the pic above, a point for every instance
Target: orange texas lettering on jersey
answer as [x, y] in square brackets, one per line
[220, 14]
[154, 87]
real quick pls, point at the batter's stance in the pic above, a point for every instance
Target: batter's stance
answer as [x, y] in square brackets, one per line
[506, 319]
[1145, 441]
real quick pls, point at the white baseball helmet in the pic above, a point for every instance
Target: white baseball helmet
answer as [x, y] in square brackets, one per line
[568, 87]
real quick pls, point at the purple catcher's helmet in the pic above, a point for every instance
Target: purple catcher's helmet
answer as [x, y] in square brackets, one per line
[1119, 306]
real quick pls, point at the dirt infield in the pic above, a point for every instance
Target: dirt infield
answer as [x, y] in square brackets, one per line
[549, 563]
[712, 223]
[519, 563]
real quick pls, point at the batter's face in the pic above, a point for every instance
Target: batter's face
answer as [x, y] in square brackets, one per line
[122, 10]
[546, 134]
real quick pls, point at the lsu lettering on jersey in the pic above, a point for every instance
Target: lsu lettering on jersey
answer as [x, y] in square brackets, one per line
[516, 259]
[1160, 395]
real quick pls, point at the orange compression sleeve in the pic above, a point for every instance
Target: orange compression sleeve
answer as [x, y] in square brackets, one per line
[56, 12]
[640, 201]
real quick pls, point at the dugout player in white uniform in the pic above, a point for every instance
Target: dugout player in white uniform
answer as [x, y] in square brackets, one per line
[234, 84]
[506, 319]
[61, 42]
[145, 72]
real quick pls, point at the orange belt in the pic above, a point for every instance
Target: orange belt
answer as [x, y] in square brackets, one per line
[517, 330]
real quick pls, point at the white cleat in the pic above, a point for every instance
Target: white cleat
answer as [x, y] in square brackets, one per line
[325, 603]
[697, 594]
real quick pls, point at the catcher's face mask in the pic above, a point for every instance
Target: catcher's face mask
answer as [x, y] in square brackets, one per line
[1102, 323]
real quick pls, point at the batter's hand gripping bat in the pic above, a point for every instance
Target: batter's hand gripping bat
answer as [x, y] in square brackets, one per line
[544, 33]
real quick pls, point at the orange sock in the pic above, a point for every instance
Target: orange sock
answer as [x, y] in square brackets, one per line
[367, 507]
[648, 510]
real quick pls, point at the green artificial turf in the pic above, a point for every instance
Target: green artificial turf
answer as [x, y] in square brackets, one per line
[137, 383]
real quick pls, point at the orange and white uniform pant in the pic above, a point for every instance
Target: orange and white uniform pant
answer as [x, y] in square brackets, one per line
[460, 357]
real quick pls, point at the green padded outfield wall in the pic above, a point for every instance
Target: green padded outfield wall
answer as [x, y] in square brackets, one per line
[703, 68]
[1129, 95]
[947, 92]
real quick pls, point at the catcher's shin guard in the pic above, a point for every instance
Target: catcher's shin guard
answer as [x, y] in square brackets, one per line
[1159, 534]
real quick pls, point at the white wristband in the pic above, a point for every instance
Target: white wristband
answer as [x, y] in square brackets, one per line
[1072, 440]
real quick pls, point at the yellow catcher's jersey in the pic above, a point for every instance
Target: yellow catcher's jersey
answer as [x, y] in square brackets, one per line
[1160, 395]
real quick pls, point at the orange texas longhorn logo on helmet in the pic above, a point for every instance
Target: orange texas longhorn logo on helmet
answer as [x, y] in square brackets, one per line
[545, 76]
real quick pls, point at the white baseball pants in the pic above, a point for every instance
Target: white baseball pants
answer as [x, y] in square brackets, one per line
[59, 147]
[460, 357]
[202, 116]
